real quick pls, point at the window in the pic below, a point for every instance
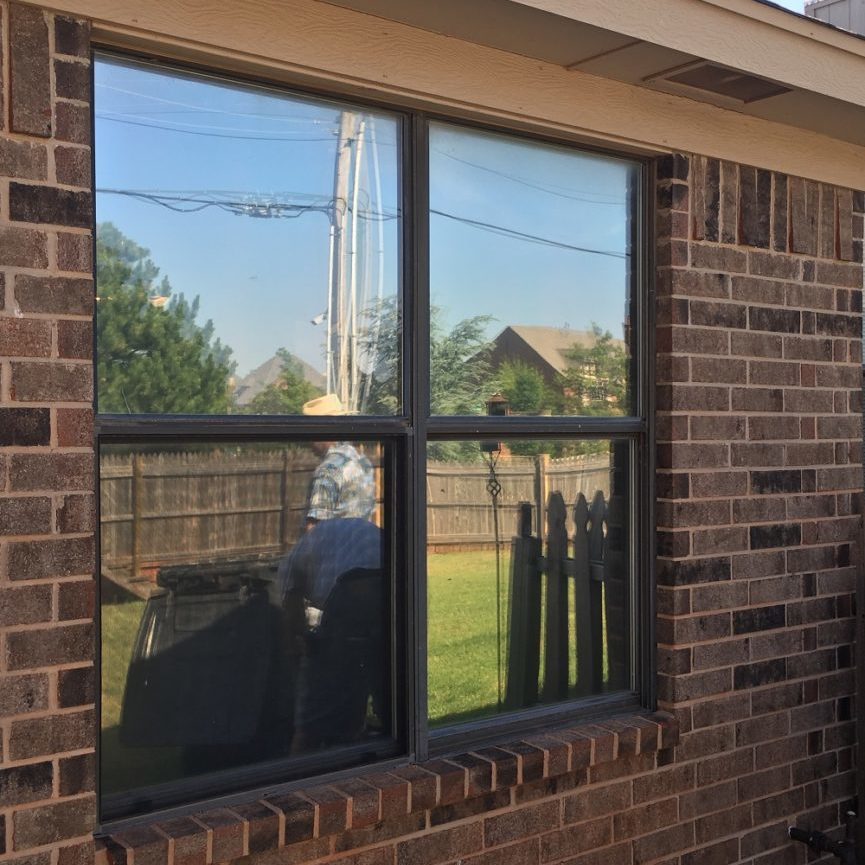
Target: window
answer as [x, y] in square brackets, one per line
[373, 446]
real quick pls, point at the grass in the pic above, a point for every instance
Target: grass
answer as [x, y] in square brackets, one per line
[463, 659]
[123, 767]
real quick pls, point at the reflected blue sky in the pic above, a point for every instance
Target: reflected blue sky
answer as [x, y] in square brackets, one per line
[232, 189]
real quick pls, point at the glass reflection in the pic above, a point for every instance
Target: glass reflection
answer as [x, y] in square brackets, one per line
[529, 574]
[247, 248]
[244, 607]
[531, 272]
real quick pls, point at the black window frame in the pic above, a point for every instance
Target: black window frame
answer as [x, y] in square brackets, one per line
[406, 436]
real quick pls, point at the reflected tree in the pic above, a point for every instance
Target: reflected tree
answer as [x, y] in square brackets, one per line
[153, 357]
[596, 379]
[288, 393]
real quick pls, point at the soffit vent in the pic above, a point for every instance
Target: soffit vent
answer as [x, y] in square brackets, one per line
[721, 81]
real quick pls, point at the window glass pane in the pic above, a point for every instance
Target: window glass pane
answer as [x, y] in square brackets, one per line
[531, 272]
[245, 608]
[509, 629]
[247, 248]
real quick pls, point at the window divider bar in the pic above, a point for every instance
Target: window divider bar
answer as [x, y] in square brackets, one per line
[130, 427]
[528, 427]
[418, 293]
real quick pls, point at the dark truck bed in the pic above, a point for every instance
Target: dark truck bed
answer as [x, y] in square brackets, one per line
[214, 660]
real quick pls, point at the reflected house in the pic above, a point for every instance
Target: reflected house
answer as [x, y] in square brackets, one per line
[268, 373]
[545, 349]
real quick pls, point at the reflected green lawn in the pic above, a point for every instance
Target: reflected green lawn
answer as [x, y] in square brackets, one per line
[463, 658]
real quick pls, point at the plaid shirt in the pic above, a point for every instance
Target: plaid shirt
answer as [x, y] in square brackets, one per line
[342, 485]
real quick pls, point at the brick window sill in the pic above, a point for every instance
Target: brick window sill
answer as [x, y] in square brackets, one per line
[375, 806]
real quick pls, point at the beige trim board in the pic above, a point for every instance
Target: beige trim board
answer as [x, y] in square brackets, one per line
[742, 34]
[334, 48]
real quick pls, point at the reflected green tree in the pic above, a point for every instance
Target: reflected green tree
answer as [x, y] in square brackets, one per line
[461, 376]
[152, 356]
[595, 381]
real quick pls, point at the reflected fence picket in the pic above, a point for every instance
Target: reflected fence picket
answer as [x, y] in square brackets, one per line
[574, 575]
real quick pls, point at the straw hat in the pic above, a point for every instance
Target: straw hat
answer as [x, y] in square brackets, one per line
[329, 404]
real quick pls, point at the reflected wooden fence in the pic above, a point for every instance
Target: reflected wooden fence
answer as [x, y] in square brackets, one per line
[171, 508]
[459, 512]
[575, 574]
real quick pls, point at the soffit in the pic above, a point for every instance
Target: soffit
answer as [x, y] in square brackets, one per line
[818, 69]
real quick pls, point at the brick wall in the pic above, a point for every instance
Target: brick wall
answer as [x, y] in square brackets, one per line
[47, 719]
[759, 496]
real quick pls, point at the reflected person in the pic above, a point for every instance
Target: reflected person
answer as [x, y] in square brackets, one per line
[343, 485]
[336, 568]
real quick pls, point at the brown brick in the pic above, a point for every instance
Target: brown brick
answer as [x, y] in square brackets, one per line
[49, 824]
[723, 823]
[29, 71]
[25, 516]
[721, 710]
[39, 382]
[49, 646]
[658, 844]
[47, 204]
[74, 427]
[75, 514]
[451, 780]
[60, 295]
[74, 252]
[25, 606]
[262, 829]
[24, 337]
[521, 823]
[36, 737]
[144, 845]
[707, 800]
[53, 472]
[23, 247]
[646, 818]
[76, 600]
[73, 164]
[718, 258]
[72, 122]
[755, 201]
[25, 426]
[20, 695]
[77, 775]
[227, 831]
[75, 339]
[71, 36]
[440, 846]
[422, 794]
[29, 783]
[72, 80]
[804, 203]
[597, 802]
[189, 840]
[23, 159]
[573, 840]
